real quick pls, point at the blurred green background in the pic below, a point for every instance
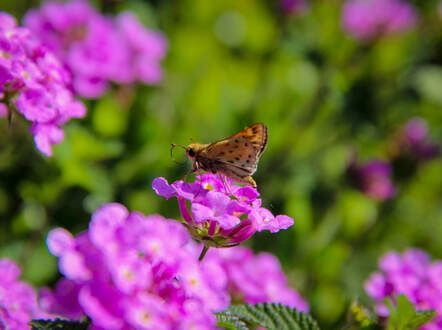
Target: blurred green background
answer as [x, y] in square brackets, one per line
[230, 63]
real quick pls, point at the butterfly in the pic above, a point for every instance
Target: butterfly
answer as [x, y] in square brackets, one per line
[236, 156]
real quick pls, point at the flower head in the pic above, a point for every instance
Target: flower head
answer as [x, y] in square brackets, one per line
[132, 271]
[413, 141]
[98, 49]
[293, 6]
[373, 178]
[218, 212]
[368, 19]
[412, 274]
[252, 278]
[35, 84]
[18, 300]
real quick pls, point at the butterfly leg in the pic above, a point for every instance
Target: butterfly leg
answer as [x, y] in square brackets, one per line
[226, 185]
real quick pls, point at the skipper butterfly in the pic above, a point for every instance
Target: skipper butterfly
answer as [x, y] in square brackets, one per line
[236, 156]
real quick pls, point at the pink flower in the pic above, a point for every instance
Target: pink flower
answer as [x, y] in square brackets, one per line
[18, 301]
[373, 178]
[98, 49]
[412, 274]
[221, 213]
[35, 84]
[293, 6]
[252, 278]
[414, 142]
[368, 19]
[132, 271]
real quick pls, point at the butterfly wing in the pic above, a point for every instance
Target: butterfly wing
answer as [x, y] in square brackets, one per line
[238, 155]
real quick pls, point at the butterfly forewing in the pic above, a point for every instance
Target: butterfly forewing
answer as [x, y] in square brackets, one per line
[237, 156]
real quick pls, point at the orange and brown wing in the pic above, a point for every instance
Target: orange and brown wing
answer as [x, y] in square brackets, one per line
[256, 134]
[239, 154]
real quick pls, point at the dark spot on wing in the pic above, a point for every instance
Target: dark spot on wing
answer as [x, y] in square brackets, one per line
[237, 158]
[247, 161]
[236, 141]
[249, 156]
[222, 153]
[246, 144]
[230, 151]
[230, 161]
[254, 130]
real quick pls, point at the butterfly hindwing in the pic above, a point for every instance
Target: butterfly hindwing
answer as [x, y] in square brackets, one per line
[239, 153]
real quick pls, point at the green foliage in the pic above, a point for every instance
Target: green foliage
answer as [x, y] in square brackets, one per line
[230, 63]
[267, 315]
[59, 324]
[361, 316]
[229, 321]
[403, 315]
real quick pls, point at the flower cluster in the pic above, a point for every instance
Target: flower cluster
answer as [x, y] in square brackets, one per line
[97, 49]
[253, 279]
[34, 83]
[132, 271]
[368, 19]
[411, 274]
[221, 213]
[413, 141]
[373, 178]
[18, 300]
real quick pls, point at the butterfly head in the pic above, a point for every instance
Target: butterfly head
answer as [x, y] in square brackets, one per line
[193, 149]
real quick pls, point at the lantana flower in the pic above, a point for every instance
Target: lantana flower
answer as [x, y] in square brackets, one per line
[412, 274]
[369, 19]
[18, 300]
[220, 212]
[253, 278]
[291, 7]
[131, 271]
[373, 178]
[414, 142]
[98, 50]
[34, 84]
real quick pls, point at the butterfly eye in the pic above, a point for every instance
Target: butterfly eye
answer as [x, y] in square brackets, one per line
[191, 153]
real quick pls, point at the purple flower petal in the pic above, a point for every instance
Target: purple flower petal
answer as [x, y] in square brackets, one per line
[60, 241]
[162, 188]
[201, 213]
[219, 211]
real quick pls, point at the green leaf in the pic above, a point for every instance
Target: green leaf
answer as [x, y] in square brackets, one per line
[403, 315]
[59, 324]
[270, 316]
[227, 320]
[361, 315]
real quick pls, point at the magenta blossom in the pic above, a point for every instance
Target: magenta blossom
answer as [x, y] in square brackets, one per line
[131, 271]
[368, 19]
[293, 6]
[413, 141]
[219, 212]
[98, 49]
[18, 300]
[413, 275]
[252, 278]
[372, 178]
[34, 84]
